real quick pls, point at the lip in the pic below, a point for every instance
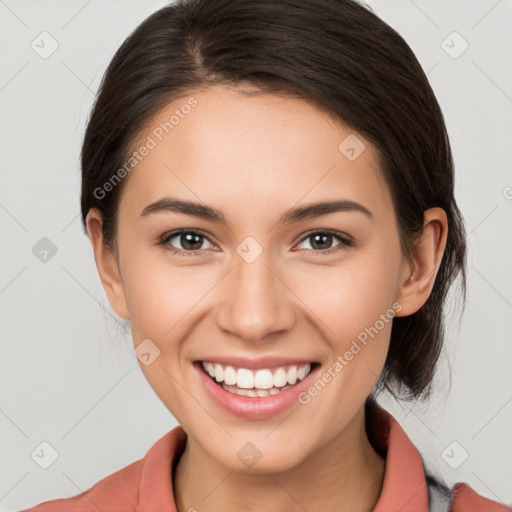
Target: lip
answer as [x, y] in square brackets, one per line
[253, 407]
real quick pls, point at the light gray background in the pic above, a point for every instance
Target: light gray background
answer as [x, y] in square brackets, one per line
[68, 374]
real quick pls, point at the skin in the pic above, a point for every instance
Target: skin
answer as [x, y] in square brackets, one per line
[253, 158]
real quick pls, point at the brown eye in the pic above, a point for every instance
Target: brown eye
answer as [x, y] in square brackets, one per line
[321, 242]
[184, 242]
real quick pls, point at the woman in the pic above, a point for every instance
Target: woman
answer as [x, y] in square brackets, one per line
[268, 188]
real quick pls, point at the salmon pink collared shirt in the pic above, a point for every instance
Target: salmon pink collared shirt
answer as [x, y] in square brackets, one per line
[146, 484]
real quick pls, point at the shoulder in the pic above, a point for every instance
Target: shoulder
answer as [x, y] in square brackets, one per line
[465, 499]
[119, 489]
[138, 486]
[460, 498]
[406, 472]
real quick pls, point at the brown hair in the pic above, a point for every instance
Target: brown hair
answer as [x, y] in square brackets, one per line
[336, 54]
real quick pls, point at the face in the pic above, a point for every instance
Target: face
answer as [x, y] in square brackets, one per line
[252, 278]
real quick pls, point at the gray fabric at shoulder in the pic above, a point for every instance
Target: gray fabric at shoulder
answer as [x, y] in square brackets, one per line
[440, 497]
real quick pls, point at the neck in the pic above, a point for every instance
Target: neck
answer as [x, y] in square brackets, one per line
[344, 475]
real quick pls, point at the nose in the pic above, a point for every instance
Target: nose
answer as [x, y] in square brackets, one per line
[257, 301]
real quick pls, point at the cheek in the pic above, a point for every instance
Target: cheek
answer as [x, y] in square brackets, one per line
[353, 306]
[161, 296]
[350, 297]
[356, 315]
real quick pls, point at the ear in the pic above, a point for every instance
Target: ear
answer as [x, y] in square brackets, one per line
[419, 274]
[107, 265]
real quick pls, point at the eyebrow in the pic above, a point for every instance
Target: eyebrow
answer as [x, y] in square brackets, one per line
[201, 211]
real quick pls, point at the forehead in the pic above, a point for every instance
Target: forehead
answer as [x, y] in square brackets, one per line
[226, 148]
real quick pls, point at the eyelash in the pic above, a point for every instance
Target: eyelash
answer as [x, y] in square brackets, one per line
[345, 242]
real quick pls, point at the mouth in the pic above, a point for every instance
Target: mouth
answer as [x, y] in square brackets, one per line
[256, 383]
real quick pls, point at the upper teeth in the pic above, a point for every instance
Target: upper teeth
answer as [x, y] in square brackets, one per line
[260, 379]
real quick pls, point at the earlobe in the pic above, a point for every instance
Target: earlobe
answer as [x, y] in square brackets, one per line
[419, 275]
[107, 265]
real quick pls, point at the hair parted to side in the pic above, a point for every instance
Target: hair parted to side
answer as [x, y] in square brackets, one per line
[338, 55]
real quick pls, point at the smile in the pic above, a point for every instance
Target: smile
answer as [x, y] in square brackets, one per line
[256, 383]
[255, 388]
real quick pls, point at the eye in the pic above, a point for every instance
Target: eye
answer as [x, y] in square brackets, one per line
[191, 241]
[323, 239]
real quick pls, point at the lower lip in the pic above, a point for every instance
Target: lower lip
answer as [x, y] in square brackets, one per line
[253, 407]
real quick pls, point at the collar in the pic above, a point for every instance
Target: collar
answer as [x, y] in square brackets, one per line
[404, 488]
